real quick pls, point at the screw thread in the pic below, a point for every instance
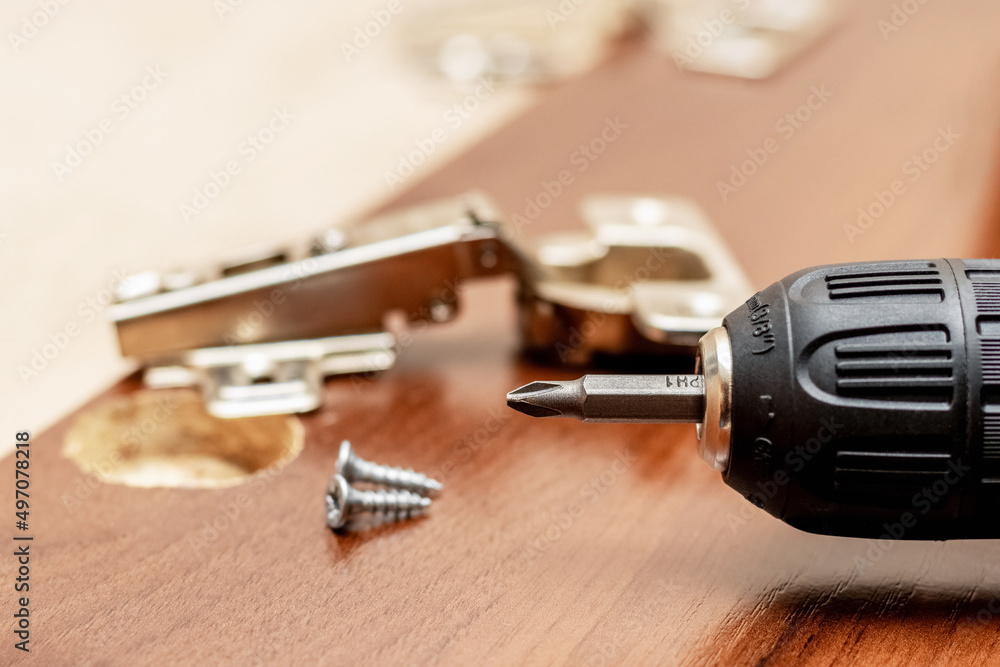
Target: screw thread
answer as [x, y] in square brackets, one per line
[391, 476]
[395, 505]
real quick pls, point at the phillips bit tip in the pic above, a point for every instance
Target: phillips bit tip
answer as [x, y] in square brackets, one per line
[615, 398]
[528, 399]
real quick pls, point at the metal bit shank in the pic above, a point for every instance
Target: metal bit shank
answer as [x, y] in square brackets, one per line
[616, 398]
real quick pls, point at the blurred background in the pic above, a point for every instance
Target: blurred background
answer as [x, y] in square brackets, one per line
[182, 87]
[163, 136]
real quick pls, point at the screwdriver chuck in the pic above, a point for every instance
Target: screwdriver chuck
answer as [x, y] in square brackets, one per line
[854, 399]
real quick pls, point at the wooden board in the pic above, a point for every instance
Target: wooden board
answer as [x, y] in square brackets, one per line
[555, 541]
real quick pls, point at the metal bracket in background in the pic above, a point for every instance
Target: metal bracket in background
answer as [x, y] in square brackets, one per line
[650, 276]
[271, 378]
[258, 334]
[520, 41]
[751, 40]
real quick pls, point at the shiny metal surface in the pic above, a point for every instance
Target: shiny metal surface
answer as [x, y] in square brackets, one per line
[649, 275]
[521, 41]
[409, 261]
[715, 362]
[705, 398]
[344, 504]
[271, 378]
[615, 398]
[260, 337]
[356, 469]
[751, 40]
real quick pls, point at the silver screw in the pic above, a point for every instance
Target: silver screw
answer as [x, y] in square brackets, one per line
[356, 469]
[343, 502]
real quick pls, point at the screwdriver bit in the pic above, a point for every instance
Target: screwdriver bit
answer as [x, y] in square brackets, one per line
[853, 399]
[615, 398]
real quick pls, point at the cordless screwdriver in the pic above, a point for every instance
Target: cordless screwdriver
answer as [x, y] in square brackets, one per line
[852, 399]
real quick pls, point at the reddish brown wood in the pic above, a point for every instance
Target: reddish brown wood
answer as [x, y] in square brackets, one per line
[525, 557]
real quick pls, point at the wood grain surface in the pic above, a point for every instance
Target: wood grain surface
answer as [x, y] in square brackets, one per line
[556, 542]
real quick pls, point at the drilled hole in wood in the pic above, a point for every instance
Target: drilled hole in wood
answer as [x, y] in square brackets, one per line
[165, 438]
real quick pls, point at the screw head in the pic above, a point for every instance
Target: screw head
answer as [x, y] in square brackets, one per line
[343, 457]
[336, 502]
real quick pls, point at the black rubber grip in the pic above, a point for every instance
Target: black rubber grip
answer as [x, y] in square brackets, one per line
[866, 399]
